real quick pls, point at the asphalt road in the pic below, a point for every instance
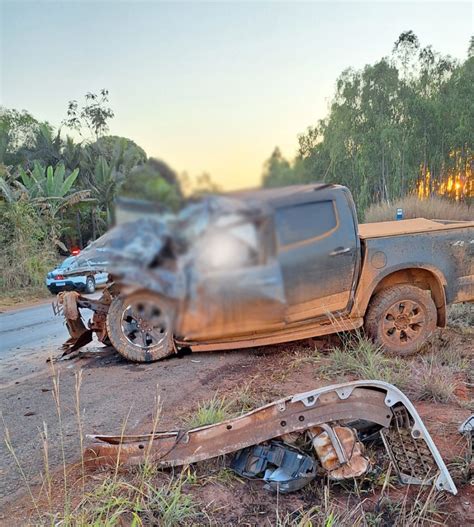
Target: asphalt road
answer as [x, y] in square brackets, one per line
[112, 389]
[30, 327]
[33, 327]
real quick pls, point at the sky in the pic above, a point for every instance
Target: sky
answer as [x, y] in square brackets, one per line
[207, 87]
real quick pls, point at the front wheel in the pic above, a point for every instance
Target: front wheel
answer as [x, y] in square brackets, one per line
[401, 318]
[139, 326]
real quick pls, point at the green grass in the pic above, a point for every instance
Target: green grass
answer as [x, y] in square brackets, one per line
[219, 409]
[209, 412]
[118, 501]
[358, 356]
[169, 506]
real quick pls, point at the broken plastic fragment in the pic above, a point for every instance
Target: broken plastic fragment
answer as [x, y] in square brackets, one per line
[282, 467]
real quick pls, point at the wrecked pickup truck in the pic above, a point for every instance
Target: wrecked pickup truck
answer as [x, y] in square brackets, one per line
[273, 265]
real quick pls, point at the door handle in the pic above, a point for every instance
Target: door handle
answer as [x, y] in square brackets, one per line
[340, 250]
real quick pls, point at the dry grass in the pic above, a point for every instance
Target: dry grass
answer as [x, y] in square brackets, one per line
[430, 208]
[434, 376]
[355, 511]
[432, 381]
[140, 496]
[461, 316]
[15, 297]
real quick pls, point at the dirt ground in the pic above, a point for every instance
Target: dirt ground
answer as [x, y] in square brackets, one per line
[113, 388]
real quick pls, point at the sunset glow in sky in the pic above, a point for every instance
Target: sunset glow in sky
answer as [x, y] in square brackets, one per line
[208, 87]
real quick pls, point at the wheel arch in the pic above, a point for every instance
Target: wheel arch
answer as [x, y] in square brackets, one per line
[424, 277]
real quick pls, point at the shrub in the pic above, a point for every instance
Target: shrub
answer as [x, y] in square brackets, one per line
[26, 255]
[431, 208]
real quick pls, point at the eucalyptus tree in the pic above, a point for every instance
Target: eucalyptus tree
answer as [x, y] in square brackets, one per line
[404, 124]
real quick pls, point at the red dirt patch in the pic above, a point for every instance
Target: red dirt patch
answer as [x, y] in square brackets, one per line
[271, 373]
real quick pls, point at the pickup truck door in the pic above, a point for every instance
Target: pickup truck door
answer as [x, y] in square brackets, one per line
[318, 251]
[236, 287]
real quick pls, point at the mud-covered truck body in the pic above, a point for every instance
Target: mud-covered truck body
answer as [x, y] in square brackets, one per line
[274, 265]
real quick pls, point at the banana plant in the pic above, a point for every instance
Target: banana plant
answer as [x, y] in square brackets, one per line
[50, 189]
[48, 182]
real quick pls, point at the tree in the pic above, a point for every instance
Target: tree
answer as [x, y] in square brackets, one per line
[93, 115]
[277, 170]
[154, 181]
[17, 132]
[104, 183]
[402, 125]
[120, 152]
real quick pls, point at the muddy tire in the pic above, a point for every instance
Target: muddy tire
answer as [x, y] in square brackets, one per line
[400, 319]
[139, 327]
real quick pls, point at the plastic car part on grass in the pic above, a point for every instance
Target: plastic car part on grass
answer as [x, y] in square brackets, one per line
[467, 427]
[281, 466]
[406, 439]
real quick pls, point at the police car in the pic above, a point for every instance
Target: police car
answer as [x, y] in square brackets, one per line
[64, 278]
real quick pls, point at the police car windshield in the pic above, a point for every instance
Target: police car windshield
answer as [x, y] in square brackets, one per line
[68, 262]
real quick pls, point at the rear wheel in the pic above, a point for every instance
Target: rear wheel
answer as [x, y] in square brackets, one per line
[401, 318]
[139, 327]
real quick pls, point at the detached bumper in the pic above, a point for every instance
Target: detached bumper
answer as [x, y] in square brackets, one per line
[406, 439]
[68, 286]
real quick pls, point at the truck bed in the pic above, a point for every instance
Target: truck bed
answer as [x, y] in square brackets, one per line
[397, 228]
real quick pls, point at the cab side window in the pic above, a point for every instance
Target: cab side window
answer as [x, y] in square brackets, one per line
[306, 221]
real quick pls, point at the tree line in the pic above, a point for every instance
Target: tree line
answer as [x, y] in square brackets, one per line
[401, 126]
[58, 192]
[404, 125]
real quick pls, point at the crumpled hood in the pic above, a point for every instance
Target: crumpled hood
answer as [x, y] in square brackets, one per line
[134, 243]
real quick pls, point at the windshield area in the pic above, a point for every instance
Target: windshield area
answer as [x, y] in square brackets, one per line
[69, 263]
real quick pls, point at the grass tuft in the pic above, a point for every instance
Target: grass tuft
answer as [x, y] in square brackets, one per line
[461, 316]
[432, 381]
[168, 506]
[360, 357]
[209, 412]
